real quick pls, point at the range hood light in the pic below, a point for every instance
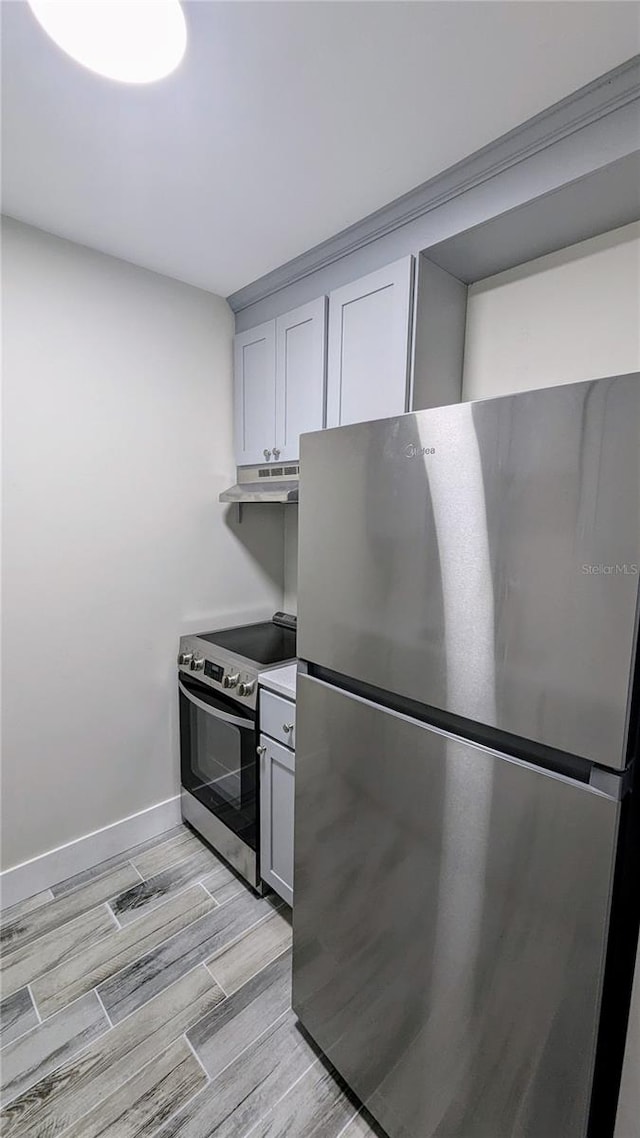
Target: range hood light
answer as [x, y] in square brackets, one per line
[132, 41]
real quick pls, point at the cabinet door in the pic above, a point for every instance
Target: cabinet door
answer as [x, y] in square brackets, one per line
[276, 817]
[300, 374]
[255, 393]
[369, 322]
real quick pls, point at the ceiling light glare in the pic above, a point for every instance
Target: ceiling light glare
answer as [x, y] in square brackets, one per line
[131, 41]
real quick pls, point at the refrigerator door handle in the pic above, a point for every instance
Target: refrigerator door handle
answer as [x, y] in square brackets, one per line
[615, 786]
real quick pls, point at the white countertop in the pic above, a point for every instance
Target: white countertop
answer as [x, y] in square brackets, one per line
[280, 680]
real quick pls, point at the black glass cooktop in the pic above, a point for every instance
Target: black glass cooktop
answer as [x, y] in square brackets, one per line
[265, 643]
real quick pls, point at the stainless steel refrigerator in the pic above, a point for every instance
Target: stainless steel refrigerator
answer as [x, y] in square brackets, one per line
[466, 831]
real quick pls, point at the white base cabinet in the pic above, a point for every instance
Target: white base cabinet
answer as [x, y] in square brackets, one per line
[277, 781]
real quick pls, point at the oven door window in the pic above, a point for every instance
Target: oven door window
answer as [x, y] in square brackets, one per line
[218, 757]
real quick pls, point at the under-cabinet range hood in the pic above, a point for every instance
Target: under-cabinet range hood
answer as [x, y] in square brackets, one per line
[264, 484]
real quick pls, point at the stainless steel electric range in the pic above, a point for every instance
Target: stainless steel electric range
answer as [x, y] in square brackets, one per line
[218, 691]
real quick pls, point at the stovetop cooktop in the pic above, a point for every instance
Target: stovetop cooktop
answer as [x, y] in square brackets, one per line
[265, 643]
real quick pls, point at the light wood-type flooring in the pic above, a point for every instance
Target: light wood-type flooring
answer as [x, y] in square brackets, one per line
[151, 995]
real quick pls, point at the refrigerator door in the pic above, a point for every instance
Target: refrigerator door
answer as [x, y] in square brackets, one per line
[450, 924]
[483, 559]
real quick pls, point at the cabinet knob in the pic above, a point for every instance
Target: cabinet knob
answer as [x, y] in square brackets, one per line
[260, 750]
[287, 727]
[276, 453]
[267, 454]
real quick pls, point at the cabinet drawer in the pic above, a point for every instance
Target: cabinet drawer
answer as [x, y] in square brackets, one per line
[278, 718]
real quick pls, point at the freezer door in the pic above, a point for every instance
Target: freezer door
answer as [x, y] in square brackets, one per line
[450, 924]
[483, 559]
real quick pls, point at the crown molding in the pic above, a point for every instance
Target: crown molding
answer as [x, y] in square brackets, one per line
[596, 100]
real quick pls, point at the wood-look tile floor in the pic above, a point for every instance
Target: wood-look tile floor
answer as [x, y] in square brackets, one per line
[151, 995]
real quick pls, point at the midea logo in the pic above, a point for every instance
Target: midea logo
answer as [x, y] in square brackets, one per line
[413, 451]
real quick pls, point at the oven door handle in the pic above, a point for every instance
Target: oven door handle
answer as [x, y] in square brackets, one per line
[236, 720]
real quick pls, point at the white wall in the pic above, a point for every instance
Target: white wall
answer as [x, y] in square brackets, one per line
[291, 559]
[570, 316]
[117, 441]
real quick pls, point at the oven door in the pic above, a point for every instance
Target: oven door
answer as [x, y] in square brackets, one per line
[218, 760]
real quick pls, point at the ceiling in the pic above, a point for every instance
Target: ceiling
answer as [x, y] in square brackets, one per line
[285, 123]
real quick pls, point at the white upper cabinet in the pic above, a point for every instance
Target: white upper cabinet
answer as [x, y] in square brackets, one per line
[279, 372]
[300, 375]
[368, 354]
[255, 394]
[281, 366]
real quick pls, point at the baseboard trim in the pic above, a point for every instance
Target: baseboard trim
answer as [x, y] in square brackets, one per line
[47, 869]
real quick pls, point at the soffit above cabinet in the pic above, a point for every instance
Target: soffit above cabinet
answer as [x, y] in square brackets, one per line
[603, 201]
[582, 136]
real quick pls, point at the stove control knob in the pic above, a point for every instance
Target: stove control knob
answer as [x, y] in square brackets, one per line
[230, 680]
[185, 658]
[197, 664]
[247, 688]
